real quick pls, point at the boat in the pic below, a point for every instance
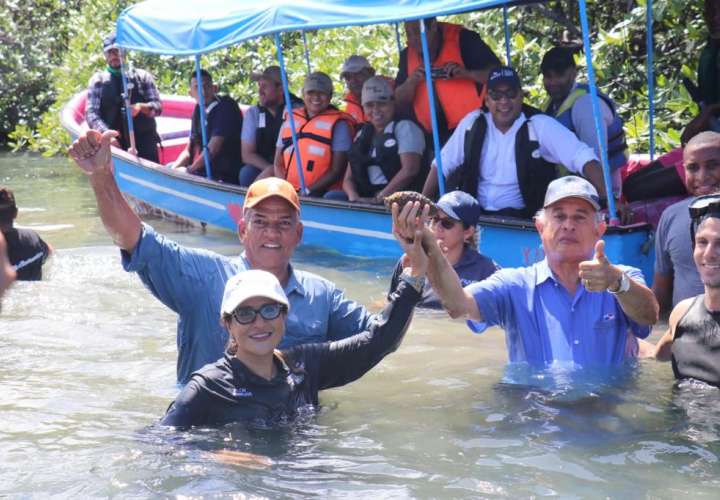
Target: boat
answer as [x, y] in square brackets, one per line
[351, 229]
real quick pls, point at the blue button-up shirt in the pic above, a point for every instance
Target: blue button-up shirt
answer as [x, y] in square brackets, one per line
[543, 323]
[191, 282]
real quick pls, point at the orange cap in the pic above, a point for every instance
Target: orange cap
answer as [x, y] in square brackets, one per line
[271, 186]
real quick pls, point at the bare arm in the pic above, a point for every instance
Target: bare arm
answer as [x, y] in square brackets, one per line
[349, 186]
[430, 189]
[250, 156]
[213, 147]
[279, 164]
[592, 171]
[662, 288]
[405, 92]
[183, 158]
[663, 349]
[91, 152]
[7, 273]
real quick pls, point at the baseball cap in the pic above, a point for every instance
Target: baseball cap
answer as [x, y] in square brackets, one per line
[248, 284]
[268, 187]
[557, 59]
[109, 42]
[319, 82]
[271, 73]
[571, 186]
[503, 75]
[354, 64]
[460, 206]
[376, 89]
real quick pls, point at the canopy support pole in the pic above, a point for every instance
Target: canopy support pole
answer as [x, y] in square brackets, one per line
[650, 76]
[203, 128]
[128, 108]
[431, 99]
[291, 118]
[596, 115]
[507, 35]
[307, 53]
[397, 37]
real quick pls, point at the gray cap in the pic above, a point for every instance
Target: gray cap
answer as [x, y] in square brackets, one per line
[319, 82]
[354, 64]
[571, 186]
[376, 89]
[271, 73]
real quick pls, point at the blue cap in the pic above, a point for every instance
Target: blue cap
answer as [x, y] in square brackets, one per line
[109, 42]
[571, 186]
[460, 206]
[503, 75]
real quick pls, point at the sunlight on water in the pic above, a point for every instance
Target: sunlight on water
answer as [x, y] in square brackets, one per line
[87, 366]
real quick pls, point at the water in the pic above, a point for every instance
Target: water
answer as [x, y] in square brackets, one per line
[87, 365]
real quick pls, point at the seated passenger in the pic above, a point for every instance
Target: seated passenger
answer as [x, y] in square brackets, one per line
[224, 122]
[26, 250]
[506, 157]
[570, 103]
[692, 341]
[355, 71]
[261, 125]
[460, 62]
[387, 154]
[455, 229]
[324, 136]
[256, 383]
[676, 276]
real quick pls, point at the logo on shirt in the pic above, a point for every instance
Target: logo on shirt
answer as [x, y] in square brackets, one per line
[241, 392]
[390, 143]
[609, 317]
[535, 154]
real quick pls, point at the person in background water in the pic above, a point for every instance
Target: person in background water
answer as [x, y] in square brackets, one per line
[575, 308]
[26, 250]
[460, 62]
[676, 275]
[456, 231]
[105, 106]
[7, 273]
[356, 70]
[261, 125]
[223, 124]
[324, 137]
[190, 281]
[692, 341]
[387, 154]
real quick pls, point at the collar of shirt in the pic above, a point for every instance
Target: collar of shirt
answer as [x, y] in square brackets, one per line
[294, 285]
[241, 373]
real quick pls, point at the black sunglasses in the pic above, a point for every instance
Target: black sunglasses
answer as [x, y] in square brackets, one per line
[496, 95]
[701, 208]
[445, 222]
[246, 315]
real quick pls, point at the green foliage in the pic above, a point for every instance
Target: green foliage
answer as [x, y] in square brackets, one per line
[59, 59]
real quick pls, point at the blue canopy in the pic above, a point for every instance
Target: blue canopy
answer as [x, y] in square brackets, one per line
[191, 27]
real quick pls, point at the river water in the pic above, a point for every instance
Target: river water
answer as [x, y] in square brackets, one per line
[87, 366]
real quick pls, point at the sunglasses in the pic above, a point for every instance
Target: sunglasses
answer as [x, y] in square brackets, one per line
[700, 209]
[444, 222]
[246, 315]
[496, 95]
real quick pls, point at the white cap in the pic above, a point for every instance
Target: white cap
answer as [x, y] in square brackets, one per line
[249, 284]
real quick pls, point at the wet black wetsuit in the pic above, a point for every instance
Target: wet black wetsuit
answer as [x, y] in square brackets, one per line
[696, 346]
[227, 391]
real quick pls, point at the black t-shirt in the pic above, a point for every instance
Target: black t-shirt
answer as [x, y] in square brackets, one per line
[27, 253]
[224, 119]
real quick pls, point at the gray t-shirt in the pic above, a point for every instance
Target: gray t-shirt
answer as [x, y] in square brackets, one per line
[250, 124]
[410, 140]
[341, 137]
[673, 251]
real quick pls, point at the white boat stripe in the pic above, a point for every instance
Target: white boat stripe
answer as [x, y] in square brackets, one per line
[179, 194]
[349, 230]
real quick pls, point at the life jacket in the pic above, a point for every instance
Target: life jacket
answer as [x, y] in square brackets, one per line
[616, 144]
[314, 136]
[386, 157]
[456, 97]
[354, 108]
[112, 108]
[534, 173]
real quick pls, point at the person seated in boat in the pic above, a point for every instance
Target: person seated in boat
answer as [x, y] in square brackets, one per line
[507, 156]
[456, 231]
[26, 249]
[692, 340]
[258, 384]
[105, 106]
[570, 103]
[261, 125]
[190, 281]
[356, 70]
[575, 307]
[387, 154]
[7, 271]
[676, 277]
[224, 123]
[460, 61]
[324, 137]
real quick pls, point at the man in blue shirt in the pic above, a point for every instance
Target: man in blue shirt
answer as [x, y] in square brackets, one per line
[574, 307]
[190, 281]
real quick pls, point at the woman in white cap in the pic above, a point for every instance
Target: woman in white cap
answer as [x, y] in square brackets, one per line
[256, 383]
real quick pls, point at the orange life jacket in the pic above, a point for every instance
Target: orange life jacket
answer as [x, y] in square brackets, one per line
[457, 97]
[314, 137]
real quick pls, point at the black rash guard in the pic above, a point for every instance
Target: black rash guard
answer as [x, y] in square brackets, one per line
[696, 346]
[227, 391]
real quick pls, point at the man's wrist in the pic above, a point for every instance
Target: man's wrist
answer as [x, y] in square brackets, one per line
[622, 284]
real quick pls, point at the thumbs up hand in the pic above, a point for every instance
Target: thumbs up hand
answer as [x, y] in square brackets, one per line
[598, 274]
